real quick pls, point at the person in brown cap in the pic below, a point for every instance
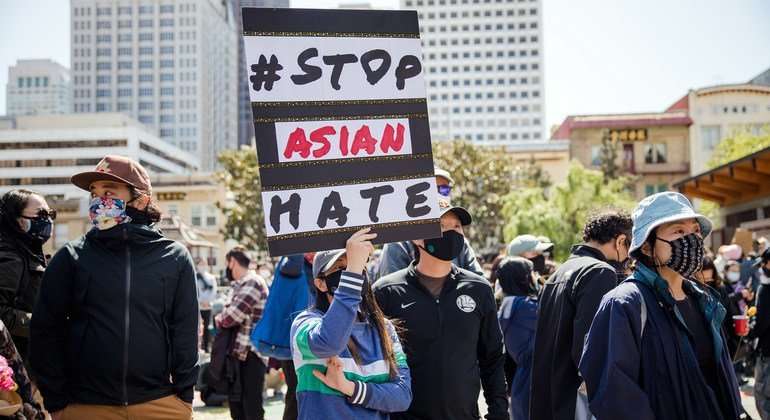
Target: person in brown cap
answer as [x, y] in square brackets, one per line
[114, 332]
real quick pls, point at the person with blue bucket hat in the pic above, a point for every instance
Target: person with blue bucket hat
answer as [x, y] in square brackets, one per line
[655, 348]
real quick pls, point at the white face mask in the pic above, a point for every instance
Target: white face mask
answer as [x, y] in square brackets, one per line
[264, 273]
[733, 276]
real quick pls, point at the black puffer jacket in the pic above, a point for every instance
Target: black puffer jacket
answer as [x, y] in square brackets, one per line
[19, 262]
[116, 320]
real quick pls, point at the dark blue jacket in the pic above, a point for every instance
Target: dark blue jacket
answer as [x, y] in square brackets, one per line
[639, 360]
[518, 315]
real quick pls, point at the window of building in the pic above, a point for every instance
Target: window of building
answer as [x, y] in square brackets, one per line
[103, 65]
[125, 64]
[167, 8]
[123, 78]
[145, 119]
[145, 64]
[167, 49]
[710, 136]
[145, 37]
[124, 92]
[124, 24]
[196, 215]
[125, 37]
[145, 78]
[145, 92]
[125, 10]
[166, 36]
[167, 91]
[145, 106]
[143, 10]
[655, 153]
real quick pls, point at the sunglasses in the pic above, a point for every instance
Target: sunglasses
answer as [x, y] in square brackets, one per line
[444, 190]
[43, 214]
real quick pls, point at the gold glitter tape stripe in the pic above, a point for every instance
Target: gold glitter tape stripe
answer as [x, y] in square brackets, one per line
[343, 160]
[330, 34]
[350, 229]
[337, 103]
[338, 118]
[346, 182]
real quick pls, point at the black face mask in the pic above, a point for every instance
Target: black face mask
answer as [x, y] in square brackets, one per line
[686, 255]
[447, 247]
[766, 270]
[40, 229]
[229, 274]
[538, 264]
[333, 282]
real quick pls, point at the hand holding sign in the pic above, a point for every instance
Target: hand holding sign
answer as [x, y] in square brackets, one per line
[358, 249]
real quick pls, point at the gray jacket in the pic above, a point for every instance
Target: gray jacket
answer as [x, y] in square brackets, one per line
[398, 255]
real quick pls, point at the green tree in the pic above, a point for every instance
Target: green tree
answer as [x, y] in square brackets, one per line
[561, 212]
[738, 144]
[608, 158]
[482, 176]
[245, 221]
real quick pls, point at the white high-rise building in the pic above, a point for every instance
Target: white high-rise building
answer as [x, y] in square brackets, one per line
[483, 66]
[38, 87]
[170, 64]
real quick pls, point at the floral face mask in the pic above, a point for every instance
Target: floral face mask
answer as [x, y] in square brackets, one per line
[107, 212]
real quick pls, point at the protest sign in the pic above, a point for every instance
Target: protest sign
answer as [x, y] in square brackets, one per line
[341, 126]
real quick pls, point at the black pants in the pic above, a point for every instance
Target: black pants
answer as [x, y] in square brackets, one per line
[252, 384]
[206, 317]
[290, 375]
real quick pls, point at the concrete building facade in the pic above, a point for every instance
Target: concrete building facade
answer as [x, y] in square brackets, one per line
[483, 66]
[719, 111]
[170, 64]
[655, 147]
[42, 152]
[38, 87]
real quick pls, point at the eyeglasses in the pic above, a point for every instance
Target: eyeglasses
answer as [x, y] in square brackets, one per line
[444, 190]
[42, 214]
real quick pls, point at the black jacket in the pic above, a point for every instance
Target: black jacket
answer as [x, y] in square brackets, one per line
[568, 303]
[116, 320]
[449, 349]
[761, 327]
[19, 262]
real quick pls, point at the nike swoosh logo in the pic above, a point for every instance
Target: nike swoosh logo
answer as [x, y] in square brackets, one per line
[407, 305]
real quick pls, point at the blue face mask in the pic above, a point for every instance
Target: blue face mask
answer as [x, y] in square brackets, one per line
[107, 212]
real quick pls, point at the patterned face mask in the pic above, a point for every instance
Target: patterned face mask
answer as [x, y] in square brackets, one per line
[686, 255]
[107, 212]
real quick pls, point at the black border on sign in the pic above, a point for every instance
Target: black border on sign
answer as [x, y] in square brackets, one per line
[267, 145]
[337, 240]
[330, 20]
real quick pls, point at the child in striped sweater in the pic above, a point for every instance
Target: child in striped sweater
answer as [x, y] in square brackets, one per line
[348, 358]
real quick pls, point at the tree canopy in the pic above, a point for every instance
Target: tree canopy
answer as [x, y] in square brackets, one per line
[245, 221]
[561, 212]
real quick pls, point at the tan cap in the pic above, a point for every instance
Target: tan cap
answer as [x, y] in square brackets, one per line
[114, 168]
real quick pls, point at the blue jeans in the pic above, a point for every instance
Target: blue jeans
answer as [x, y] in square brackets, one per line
[762, 386]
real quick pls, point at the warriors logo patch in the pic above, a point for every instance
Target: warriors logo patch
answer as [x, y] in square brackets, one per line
[466, 303]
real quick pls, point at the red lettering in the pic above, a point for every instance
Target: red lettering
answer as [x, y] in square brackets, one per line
[319, 136]
[388, 142]
[363, 140]
[297, 143]
[344, 135]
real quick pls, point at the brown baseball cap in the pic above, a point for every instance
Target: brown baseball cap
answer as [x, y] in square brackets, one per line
[114, 168]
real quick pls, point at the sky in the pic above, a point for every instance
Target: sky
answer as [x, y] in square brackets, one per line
[601, 56]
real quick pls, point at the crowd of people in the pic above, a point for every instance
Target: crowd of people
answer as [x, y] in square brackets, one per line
[641, 320]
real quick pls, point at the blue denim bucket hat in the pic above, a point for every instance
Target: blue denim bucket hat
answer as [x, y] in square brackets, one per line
[661, 208]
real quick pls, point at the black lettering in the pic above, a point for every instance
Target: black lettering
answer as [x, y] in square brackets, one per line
[338, 61]
[375, 194]
[415, 197]
[312, 73]
[332, 208]
[408, 67]
[374, 76]
[277, 208]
